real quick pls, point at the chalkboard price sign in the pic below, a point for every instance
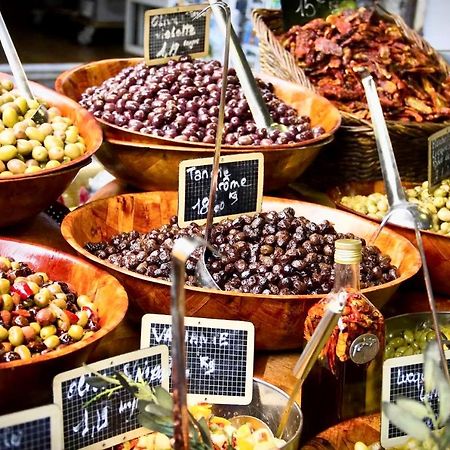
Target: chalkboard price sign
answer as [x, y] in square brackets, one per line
[403, 377]
[438, 157]
[172, 32]
[108, 421]
[32, 429]
[239, 187]
[219, 356]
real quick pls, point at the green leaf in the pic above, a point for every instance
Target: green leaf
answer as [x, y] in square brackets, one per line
[408, 423]
[443, 389]
[97, 382]
[158, 410]
[413, 407]
[202, 427]
[124, 381]
[431, 365]
[150, 421]
[163, 398]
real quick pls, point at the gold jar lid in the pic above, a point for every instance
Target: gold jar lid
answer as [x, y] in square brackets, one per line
[347, 251]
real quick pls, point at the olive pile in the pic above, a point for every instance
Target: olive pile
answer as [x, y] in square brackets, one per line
[26, 147]
[412, 341]
[180, 100]
[436, 203]
[38, 315]
[266, 253]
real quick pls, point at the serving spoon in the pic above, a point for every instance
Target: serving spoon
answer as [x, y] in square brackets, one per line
[20, 78]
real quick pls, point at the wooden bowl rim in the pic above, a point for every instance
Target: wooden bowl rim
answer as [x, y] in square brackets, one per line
[122, 299]
[66, 232]
[336, 193]
[87, 117]
[143, 136]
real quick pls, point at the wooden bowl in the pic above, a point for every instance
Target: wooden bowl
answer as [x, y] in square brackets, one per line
[278, 319]
[24, 196]
[28, 383]
[148, 161]
[437, 246]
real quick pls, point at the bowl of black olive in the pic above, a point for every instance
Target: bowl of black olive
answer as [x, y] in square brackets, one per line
[275, 264]
[54, 309]
[155, 117]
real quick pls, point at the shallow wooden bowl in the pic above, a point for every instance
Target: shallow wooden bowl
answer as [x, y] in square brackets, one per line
[278, 319]
[24, 196]
[437, 246]
[148, 161]
[28, 383]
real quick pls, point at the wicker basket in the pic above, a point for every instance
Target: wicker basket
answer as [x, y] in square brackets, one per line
[353, 156]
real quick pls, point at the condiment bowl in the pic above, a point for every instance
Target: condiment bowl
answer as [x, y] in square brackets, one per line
[149, 162]
[24, 196]
[28, 383]
[437, 246]
[278, 319]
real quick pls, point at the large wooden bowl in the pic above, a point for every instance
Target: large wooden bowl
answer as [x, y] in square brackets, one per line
[278, 319]
[149, 162]
[24, 196]
[437, 246]
[28, 383]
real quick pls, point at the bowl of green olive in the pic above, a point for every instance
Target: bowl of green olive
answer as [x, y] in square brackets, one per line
[367, 199]
[409, 334]
[39, 160]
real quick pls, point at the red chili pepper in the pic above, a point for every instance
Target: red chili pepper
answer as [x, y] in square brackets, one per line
[22, 289]
[21, 312]
[91, 314]
[73, 318]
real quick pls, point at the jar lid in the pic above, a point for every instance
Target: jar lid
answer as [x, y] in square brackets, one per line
[347, 251]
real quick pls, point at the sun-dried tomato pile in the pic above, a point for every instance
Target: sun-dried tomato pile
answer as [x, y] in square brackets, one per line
[410, 83]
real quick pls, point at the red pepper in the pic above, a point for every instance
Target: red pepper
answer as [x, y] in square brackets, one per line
[91, 314]
[21, 312]
[73, 318]
[22, 289]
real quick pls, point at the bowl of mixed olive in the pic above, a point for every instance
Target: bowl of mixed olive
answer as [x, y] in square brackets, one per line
[39, 161]
[54, 309]
[409, 334]
[274, 266]
[368, 199]
[155, 117]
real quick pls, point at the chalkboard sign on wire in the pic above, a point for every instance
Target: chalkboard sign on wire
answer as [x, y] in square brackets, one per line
[219, 356]
[113, 420]
[239, 187]
[438, 157]
[172, 32]
[32, 429]
[403, 377]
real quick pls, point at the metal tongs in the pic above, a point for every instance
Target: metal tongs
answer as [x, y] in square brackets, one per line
[401, 212]
[20, 78]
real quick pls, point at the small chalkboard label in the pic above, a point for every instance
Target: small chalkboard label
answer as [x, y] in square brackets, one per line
[239, 187]
[172, 32]
[219, 356]
[32, 429]
[108, 421]
[403, 377]
[297, 12]
[438, 157]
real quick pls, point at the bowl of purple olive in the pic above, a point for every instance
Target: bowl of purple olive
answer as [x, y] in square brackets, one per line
[155, 117]
[274, 265]
[54, 309]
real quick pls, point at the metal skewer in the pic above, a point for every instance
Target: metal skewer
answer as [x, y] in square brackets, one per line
[20, 78]
[401, 212]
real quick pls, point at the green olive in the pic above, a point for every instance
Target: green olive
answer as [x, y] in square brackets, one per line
[32, 169]
[48, 330]
[16, 166]
[35, 133]
[3, 333]
[10, 116]
[36, 327]
[56, 153]
[431, 335]
[7, 137]
[23, 351]
[52, 341]
[408, 335]
[52, 164]
[4, 285]
[46, 128]
[397, 342]
[40, 153]
[16, 335]
[7, 152]
[409, 351]
[76, 332]
[52, 141]
[24, 147]
[72, 151]
[8, 302]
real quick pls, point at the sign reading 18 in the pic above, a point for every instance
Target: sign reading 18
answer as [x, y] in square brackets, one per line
[308, 8]
[201, 206]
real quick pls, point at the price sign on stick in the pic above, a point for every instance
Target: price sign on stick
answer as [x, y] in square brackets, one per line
[239, 187]
[32, 429]
[112, 420]
[219, 356]
[438, 157]
[403, 377]
[172, 32]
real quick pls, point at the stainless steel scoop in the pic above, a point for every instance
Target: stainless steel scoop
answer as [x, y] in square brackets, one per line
[20, 78]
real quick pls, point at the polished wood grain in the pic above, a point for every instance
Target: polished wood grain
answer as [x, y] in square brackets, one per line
[437, 246]
[24, 196]
[150, 162]
[27, 383]
[278, 319]
[345, 435]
